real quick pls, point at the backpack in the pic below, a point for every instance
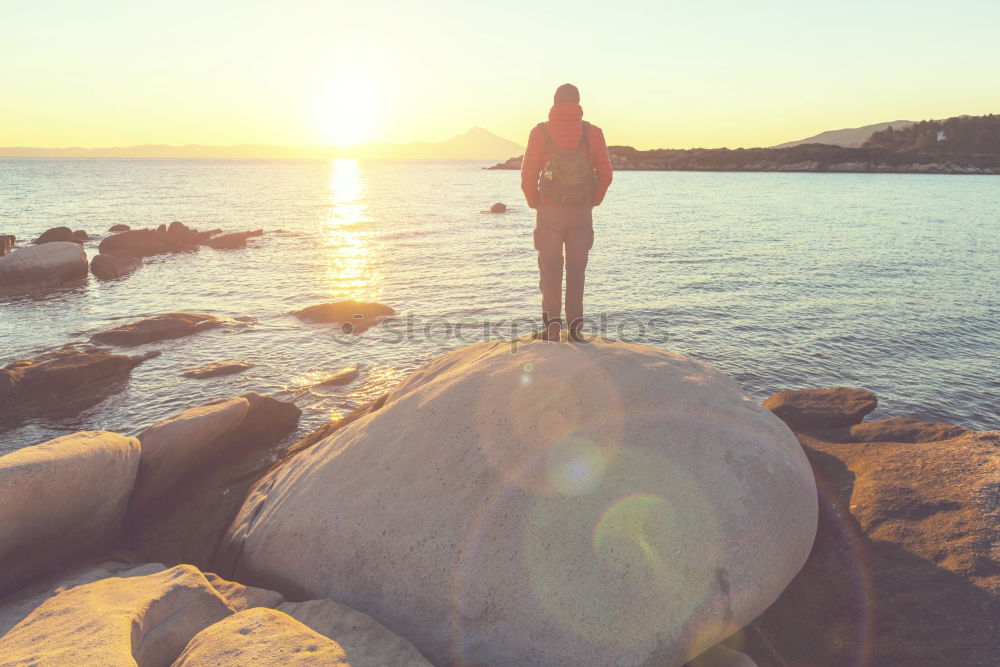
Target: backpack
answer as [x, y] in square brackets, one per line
[568, 177]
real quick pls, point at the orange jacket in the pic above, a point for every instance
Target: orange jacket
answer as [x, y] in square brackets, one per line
[565, 126]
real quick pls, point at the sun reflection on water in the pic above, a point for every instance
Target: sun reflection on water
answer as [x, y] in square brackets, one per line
[349, 268]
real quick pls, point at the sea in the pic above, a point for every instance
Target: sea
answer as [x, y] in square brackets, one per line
[781, 280]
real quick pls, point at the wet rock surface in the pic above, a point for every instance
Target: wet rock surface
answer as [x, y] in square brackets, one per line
[905, 568]
[814, 409]
[159, 327]
[29, 384]
[354, 316]
[217, 369]
[108, 267]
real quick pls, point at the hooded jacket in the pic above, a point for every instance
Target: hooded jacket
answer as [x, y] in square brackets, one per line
[565, 126]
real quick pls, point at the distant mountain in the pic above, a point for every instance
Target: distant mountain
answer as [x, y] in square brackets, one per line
[852, 137]
[476, 144]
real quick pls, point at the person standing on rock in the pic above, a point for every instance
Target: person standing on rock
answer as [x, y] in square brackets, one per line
[565, 173]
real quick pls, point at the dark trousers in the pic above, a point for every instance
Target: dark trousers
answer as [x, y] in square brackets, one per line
[566, 230]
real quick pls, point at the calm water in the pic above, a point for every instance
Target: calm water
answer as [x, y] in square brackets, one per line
[781, 280]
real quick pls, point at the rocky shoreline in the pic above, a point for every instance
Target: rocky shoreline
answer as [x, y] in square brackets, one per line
[340, 562]
[57, 255]
[819, 158]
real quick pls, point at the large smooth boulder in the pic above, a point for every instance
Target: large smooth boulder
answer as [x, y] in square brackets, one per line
[43, 265]
[156, 328]
[263, 637]
[143, 243]
[200, 463]
[171, 448]
[62, 500]
[544, 504]
[814, 409]
[111, 266]
[76, 372]
[112, 617]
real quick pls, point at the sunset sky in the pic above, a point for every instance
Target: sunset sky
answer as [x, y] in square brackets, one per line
[317, 72]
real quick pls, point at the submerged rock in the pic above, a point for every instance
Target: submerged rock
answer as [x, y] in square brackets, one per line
[904, 570]
[341, 377]
[231, 241]
[111, 266]
[217, 369]
[55, 234]
[30, 383]
[159, 327]
[61, 501]
[594, 504]
[811, 409]
[43, 265]
[499, 207]
[358, 314]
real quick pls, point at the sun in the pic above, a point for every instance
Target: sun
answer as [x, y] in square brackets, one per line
[349, 106]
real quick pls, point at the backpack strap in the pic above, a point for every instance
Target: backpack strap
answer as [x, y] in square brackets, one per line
[584, 138]
[549, 144]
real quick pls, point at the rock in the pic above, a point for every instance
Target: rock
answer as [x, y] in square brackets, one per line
[201, 463]
[159, 327]
[895, 429]
[722, 656]
[365, 641]
[55, 234]
[7, 242]
[44, 265]
[119, 228]
[79, 236]
[184, 234]
[57, 374]
[175, 446]
[144, 615]
[111, 266]
[591, 504]
[217, 369]
[498, 208]
[241, 597]
[812, 409]
[341, 377]
[231, 241]
[356, 316]
[162, 229]
[62, 500]
[142, 243]
[905, 569]
[262, 637]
